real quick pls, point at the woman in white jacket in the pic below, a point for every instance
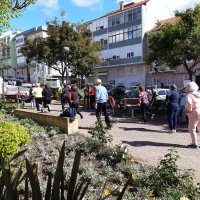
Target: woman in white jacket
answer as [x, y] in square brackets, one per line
[193, 111]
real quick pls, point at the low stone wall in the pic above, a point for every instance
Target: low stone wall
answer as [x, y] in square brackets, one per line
[48, 119]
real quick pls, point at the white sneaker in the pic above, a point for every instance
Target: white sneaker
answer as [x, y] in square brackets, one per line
[170, 131]
[174, 131]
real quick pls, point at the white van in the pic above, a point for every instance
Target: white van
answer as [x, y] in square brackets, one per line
[53, 82]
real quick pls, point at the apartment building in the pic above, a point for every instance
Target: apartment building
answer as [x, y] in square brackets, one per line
[121, 34]
[7, 54]
[32, 72]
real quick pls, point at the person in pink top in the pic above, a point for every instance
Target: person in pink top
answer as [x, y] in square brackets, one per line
[144, 103]
[192, 107]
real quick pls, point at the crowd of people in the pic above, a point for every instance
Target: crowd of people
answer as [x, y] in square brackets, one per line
[96, 97]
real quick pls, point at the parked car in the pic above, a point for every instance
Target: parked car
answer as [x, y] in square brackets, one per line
[108, 87]
[12, 81]
[21, 79]
[7, 78]
[161, 93]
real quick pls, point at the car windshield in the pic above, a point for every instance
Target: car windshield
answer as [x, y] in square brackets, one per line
[162, 92]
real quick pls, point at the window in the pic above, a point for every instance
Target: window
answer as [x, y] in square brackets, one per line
[171, 80]
[132, 15]
[114, 57]
[99, 28]
[156, 81]
[102, 41]
[17, 72]
[19, 40]
[8, 40]
[23, 71]
[125, 34]
[186, 77]
[131, 54]
[115, 20]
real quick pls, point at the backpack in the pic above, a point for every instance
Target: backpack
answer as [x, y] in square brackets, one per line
[69, 112]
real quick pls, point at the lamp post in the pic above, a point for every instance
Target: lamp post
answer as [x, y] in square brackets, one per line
[66, 50]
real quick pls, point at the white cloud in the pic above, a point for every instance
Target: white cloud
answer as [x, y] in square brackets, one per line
[48, 6]
[86, 3]
[164, 9]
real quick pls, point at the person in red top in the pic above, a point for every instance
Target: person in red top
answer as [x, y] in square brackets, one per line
[92, 96]
[144, 103]
[73, 98]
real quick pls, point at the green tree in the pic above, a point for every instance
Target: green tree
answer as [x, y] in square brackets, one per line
[85, 53]
[171, 45]
[82, 50]
[10, 9]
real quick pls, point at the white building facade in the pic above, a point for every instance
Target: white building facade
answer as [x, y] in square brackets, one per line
[121, 34]
[33, 72]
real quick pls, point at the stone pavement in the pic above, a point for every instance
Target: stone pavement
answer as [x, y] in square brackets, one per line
[147, 142]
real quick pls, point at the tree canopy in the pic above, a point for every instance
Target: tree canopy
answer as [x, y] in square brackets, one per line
[174, 44]
[11, 9]
[83, 52]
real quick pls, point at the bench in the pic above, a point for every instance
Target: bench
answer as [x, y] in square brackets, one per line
[11, 97]
[51, 119]
[132, 104]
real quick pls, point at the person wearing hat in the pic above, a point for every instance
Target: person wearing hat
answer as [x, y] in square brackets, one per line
[172, 102]
[101, 97]
[193, 112]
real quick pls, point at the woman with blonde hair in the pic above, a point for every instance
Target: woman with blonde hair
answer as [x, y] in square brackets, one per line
[193, 111]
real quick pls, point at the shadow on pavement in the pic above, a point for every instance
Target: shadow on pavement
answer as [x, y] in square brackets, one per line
[149, 143]
[142, 130]
[85, 128]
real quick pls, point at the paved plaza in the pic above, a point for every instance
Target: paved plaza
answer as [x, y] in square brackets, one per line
[146, 142]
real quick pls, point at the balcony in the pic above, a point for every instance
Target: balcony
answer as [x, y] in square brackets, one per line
[122, 61]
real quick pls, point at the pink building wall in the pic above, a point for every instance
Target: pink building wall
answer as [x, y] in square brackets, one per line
[179, 76]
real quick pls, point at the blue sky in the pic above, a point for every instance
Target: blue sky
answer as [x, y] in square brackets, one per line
[77, 10]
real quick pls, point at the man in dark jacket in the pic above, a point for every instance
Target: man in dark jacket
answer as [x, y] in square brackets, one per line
[47, 95]
[64, 96]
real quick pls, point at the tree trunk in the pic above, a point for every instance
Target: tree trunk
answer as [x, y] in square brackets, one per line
[190, 75]
[63, 77]
[189, 71]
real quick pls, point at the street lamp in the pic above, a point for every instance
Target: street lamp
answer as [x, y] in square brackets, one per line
[66, 50]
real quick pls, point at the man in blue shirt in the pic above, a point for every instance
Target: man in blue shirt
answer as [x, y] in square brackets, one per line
[101, 95]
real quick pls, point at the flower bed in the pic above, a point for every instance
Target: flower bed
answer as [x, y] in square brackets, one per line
[106, 170]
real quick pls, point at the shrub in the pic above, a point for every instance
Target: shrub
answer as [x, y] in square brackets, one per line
[12, 135]
[168, 180]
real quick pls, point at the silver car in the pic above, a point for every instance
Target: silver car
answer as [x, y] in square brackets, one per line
[161, 93]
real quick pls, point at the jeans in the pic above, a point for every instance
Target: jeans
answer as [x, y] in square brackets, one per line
[101, 107]
[38, 102]
[145, 111]
[172, 115]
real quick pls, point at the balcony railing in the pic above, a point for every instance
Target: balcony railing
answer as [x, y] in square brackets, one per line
[122, 61]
